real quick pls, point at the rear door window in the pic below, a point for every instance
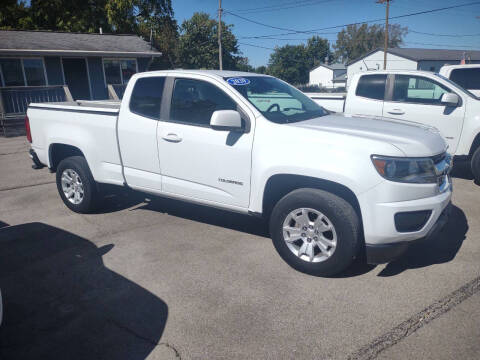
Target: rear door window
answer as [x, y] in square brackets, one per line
[467, 78]
[372, 86]
[147, 96]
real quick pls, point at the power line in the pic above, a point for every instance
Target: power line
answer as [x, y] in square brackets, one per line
[274, 37]
[257, 46]
[448, 35]
[280, 5]
[284, 7]
[293, 31]
[459, 47]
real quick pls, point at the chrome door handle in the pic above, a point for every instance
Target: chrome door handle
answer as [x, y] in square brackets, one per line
[172, 138]
[396, 112]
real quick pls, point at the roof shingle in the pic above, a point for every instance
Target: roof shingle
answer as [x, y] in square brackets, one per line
[78, 42]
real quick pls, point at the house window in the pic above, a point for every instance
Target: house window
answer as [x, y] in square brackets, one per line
[22, 72]
[12, 72]
[34, 73]
[119, 71]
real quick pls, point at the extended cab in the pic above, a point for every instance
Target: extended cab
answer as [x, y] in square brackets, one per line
[330, 185]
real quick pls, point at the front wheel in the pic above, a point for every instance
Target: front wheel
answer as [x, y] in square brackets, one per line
[76, 185]
[315, 232]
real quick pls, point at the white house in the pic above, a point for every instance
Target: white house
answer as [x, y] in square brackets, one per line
[410, 59]
[330, 76]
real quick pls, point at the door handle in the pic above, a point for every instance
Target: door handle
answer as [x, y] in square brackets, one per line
[172, 138]
[396, 112]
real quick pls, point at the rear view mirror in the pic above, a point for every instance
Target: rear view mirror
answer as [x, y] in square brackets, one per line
[227, 120]
[450, 99]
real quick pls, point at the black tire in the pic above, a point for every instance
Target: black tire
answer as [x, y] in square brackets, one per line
[475, 165]
[91, 195]
[338, 211]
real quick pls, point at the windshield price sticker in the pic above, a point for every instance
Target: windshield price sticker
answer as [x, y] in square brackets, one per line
[238, 81]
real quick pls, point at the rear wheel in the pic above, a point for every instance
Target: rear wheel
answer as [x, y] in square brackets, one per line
[475, 164]
[315, 231]
[76, 185]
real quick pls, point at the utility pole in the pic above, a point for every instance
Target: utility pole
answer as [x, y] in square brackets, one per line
[220, 62]
[386, 31]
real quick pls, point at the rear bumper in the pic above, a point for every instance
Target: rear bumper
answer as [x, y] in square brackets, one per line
[36, 161]
[384, 253]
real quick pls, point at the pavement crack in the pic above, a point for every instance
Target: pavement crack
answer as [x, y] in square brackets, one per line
[420, 319]
[144, 338]
[26, 186]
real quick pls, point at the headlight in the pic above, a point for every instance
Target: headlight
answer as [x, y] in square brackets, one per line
[407, 170]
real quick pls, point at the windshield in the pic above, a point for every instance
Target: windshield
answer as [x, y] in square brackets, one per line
[458, 86]
[276, 100]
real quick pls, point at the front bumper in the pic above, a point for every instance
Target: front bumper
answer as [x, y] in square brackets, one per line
[383, 253]
[380, 204]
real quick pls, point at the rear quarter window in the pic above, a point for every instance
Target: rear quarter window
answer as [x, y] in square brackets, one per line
[371, 86]
[147, 96]
[467, 78]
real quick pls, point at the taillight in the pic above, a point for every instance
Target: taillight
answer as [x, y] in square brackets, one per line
[27, 129]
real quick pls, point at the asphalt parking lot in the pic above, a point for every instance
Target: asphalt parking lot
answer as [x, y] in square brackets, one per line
[162, 279]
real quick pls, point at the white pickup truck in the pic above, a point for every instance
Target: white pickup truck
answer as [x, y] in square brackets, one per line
[467, 76]
[331, 186]
[422, 97]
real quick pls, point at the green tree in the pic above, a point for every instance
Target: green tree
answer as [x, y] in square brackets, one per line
[262, 69]
[14, 15]
[65, 15]
[318, 51]
[198, 44]
[292, 63]
[356, 40]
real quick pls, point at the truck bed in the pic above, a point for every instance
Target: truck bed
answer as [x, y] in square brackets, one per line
[103, 106]
[330, 101]
[90, 126]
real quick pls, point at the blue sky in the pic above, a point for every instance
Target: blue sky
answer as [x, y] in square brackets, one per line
[314, 14]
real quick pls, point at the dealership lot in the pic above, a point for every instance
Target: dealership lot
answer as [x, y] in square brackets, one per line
[164, 279]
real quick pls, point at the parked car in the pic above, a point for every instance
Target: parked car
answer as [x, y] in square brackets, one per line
[467, 76]
[330, 185]
[423, 97]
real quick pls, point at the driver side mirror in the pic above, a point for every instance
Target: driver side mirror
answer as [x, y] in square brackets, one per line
[226, 120]
[450, 99]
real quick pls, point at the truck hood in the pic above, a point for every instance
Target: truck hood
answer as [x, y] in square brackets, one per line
[413, 139]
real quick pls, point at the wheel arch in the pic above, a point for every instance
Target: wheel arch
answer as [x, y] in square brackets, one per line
[277, 186]
[58, 152]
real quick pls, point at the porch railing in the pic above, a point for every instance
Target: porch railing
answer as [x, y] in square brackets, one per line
[14, 102]
[115, 91]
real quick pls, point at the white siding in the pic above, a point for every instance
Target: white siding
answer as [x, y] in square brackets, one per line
[375, 62]
[321, 76]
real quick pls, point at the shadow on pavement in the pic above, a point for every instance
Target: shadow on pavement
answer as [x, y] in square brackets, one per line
[420, 254]
[121, 199]
[438, 250]
[61, 302]
[223, 218]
